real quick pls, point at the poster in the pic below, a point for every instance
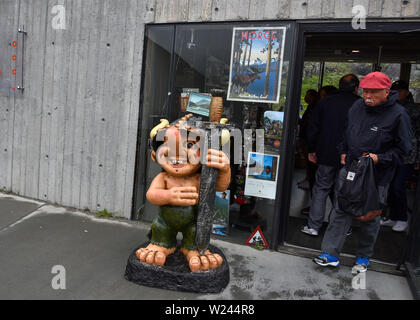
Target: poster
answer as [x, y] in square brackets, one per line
[199, 103]
[261, 175]
[256, 64]
[221, 213]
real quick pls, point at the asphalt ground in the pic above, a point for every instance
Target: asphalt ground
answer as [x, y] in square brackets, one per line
[39, 242]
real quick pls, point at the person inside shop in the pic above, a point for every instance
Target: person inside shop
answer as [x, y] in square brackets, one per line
[380, 128]
[397, 198]
[309, 181]
[326, 90]
[325, 132]
[311, 98]
[405, 97]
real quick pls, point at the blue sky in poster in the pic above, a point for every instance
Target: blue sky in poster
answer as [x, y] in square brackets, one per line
[257, 54]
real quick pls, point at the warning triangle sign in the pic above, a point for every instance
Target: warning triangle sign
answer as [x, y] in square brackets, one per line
[257, 237]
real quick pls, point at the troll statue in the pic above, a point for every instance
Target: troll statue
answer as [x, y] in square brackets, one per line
[176, 148]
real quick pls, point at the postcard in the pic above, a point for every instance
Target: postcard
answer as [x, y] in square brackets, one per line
[273, 124]
[261, 175]
[221, 213]
[199, 103]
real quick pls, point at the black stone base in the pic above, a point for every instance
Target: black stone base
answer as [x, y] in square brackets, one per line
[176, 274]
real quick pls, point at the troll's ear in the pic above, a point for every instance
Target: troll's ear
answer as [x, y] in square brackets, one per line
[153, 155]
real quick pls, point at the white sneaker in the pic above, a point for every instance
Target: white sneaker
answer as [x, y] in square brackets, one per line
[310, 231]
[388, 223]
[400, 226]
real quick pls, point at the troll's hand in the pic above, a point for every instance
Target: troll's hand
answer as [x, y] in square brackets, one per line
[218, 160]
[183, 196]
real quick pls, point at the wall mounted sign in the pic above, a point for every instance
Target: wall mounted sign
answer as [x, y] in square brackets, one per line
[256, 64]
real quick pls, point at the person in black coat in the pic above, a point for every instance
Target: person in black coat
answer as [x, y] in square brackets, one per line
[380, 128]
[397, 198]
[325, 132]
[311, 98]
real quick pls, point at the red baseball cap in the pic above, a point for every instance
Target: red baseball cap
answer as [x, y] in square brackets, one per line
[375, 80]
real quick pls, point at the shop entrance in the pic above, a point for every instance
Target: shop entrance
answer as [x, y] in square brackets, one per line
[327, 57]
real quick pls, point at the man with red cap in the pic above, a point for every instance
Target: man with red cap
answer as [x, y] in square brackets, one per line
[377, 126]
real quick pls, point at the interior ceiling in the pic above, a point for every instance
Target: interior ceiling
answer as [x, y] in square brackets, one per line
[396, 47]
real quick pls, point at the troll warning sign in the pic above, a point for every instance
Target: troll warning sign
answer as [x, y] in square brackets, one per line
[257, 239]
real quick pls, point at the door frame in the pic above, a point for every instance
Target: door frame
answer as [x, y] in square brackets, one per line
[292, 117]
[291, 125]
[413, 246]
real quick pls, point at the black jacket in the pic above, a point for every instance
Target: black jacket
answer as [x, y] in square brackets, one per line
[326, 126]
[384, 130]
[304, 123]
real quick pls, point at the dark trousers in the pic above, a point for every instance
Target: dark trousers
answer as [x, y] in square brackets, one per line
[397, 200]
[323, 187]
[311, 169]
[340, 222]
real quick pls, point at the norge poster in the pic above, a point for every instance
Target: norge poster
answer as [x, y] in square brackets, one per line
[256, 64]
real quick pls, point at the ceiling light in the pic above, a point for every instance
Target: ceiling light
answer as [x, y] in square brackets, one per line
[355, 51]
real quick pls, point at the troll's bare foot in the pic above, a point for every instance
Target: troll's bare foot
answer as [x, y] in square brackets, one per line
[154, 254]
[199, 262]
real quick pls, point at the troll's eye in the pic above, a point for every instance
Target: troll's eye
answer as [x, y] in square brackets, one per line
[189, 144]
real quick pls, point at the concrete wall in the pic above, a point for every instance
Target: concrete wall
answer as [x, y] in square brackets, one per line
[162, 11]
[70, 138]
